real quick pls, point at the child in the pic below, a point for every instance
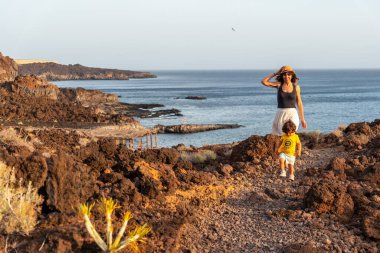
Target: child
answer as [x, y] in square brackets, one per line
[287, 149]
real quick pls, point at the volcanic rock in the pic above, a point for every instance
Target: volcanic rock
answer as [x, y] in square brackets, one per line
[225, 169]
[8, 69]
[34, 170]
[359, 128]
[32, 85]
[54, 72]
[192, 128]
[255, 147]
[309, 247]
[88, 97]
[338, 163]
[371, 225]
[152, 181]
[196, 97]
[68, 183]
[372, 174]
[330, 196]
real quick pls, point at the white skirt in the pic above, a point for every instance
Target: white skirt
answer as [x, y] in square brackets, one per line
[283, 115]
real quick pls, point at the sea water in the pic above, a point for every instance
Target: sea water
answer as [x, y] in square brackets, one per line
[331, 98]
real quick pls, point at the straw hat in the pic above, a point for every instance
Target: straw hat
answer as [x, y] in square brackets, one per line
[287, 68]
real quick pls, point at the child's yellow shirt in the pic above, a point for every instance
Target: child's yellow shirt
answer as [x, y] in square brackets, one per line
[289, 143]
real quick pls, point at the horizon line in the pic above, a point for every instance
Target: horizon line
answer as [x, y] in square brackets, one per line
[252, 69]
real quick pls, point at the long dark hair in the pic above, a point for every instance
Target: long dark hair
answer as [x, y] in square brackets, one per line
[280, 78]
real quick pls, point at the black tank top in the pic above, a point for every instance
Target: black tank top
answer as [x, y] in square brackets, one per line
[286, 99]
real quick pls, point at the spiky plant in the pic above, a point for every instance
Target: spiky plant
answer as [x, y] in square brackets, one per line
[108, 206]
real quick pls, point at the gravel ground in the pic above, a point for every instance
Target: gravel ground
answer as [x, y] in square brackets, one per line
[265, 214]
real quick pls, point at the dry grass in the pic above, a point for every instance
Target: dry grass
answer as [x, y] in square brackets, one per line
[11, 137]
[19, 205]
[311, 133]
[339, 131]
[198, 156]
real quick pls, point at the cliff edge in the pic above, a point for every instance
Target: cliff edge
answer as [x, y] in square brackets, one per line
[59, 72]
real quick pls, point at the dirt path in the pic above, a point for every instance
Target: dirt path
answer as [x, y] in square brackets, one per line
[265, 214]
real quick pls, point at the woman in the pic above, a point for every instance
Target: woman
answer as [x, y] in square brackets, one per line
[288, 99]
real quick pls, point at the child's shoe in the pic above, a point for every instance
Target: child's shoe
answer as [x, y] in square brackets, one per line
[291, 177]
[283, 173]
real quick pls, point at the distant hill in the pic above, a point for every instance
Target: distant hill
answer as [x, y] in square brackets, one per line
[57, 72]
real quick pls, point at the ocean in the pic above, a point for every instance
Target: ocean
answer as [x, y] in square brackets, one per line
[331, 98]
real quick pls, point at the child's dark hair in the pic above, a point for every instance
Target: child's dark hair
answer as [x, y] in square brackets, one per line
[288, 127]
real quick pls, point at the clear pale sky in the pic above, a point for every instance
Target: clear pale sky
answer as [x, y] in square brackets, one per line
[194, 34]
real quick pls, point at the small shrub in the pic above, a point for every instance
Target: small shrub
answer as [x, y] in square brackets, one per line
[198, 156]
[19, 206]
[108, 206]
[314, 133]
[339, 130]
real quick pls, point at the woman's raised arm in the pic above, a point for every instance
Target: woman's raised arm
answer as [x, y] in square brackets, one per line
[266, 81]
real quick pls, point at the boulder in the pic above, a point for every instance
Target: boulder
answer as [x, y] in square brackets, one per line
[338, 163]
[359, 134]
[357, 194]
[35, 86]
[255, 147]
[196, 97]
[372, 174]
[88, 97]
[330, 196]
[355, 140]
[339, 166]
[154, 179]
[69, 183]
[225, 169]
[164, 155]
[371, 225]
[359, 128]
[8, 69]
[34, 169]
[309, 247]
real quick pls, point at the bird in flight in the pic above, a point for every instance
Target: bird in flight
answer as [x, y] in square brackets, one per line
[233, 29]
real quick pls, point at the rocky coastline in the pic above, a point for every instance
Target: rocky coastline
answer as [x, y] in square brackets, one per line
[58, 72]
[219, 198]
[192, 128]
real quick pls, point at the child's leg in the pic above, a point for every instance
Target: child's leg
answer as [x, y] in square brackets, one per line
[282, 166]
[282, 163]
[291, 169]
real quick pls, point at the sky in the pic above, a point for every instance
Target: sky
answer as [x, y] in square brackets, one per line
[194, 34]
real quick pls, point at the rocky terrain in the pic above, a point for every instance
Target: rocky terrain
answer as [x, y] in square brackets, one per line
[232, 202]
[57, 72]
[192, 128]
[32, 100]
[219, 198]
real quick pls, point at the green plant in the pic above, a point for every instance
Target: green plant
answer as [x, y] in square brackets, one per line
[108, 206]
[19, 205]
